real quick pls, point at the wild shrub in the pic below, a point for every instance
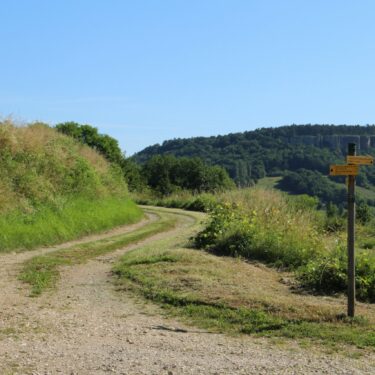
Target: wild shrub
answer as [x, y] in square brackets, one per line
[328, 274]
[261, 225]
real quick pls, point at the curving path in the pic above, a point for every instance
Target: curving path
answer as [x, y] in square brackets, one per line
[86, 327]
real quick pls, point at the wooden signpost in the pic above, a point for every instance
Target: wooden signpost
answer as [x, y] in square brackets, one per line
[351, 170]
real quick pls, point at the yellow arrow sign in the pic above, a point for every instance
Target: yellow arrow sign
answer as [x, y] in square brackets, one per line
[360, 160]
[343, 170]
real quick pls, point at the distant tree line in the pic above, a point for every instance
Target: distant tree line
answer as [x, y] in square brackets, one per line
[251, 155]
[210, 163]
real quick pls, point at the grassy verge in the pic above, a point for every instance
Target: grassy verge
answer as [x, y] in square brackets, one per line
[228, 295]
[283, 231]
[42, 272]
[75, 218]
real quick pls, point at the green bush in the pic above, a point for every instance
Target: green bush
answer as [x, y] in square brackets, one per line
[328, 274]
[235, 233]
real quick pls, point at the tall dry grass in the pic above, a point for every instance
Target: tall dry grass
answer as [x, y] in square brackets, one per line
[38, 165]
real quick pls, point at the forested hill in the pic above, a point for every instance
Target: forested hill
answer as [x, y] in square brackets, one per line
[251, 155]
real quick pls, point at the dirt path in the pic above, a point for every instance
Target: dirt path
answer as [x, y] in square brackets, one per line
[86, 327]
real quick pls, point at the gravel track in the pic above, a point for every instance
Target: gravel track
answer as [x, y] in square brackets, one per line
[86, 327]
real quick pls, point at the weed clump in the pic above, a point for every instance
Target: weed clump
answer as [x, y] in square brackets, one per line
[328, 274]
[261, 225]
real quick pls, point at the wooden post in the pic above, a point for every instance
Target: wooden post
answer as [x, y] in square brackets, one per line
[351, 237]
[351, 169]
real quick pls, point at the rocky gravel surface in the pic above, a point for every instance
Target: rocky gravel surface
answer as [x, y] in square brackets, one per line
[85, 326]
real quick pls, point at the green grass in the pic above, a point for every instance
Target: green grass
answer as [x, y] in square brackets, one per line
[268, 182]
[228, 295]
[75, 218]
[54, 189]
[42, 272]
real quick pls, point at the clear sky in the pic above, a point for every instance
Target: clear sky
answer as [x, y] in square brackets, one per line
[144, 71]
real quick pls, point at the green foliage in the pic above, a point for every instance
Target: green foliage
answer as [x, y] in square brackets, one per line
[313, 183]
[233, 232]
[363, 213]
[303, 202]
[248, 156]
[108, 147]
[168, 174]
[307, 150]
[334, 221]
[89, 135]
[163, 174]
[328, 274]
[133, 174]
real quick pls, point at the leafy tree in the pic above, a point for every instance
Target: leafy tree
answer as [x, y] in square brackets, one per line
[133, 175]
[166, 174]
[157, 172]
[89, 135]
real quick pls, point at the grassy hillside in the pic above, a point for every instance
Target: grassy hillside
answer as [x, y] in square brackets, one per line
[54, 188]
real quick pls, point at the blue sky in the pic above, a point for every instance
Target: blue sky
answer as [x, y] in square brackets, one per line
[149, 70]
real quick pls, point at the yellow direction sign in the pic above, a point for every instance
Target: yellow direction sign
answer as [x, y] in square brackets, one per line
[360, 160]
[343, 170]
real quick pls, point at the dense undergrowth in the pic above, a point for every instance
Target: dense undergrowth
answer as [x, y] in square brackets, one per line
[54, 189]
[283, 231]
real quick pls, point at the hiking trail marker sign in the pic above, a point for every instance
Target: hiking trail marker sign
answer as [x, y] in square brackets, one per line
[360, 160]
[343, 170]
[351, 170]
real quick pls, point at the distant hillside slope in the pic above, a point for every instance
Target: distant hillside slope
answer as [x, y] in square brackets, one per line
[53, 188]
[251, 155]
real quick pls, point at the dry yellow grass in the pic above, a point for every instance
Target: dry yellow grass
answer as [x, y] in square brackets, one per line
[253, 285]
